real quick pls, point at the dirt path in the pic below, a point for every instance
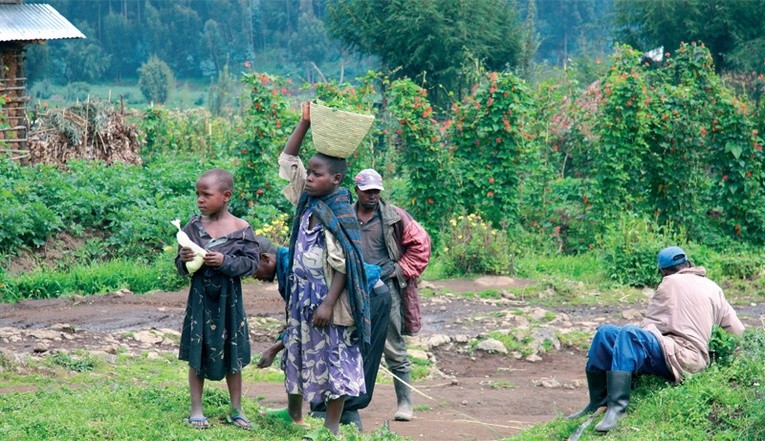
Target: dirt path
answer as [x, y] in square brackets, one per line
[471, 395]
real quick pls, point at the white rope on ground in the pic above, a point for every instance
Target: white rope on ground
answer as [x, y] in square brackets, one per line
[470, 418]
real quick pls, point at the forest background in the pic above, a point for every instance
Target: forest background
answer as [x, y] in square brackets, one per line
[563, 141]
[603, 129]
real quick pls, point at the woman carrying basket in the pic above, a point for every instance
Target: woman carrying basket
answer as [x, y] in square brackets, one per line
[326, 284]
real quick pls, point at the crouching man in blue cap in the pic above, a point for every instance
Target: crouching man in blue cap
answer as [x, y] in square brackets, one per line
[672, 340]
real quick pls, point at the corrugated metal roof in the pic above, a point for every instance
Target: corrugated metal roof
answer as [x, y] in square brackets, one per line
[27, 22]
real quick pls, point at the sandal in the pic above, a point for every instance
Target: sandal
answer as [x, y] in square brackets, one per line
[240, 421]
[197, 422]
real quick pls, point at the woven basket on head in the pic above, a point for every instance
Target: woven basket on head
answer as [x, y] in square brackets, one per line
[336, 132]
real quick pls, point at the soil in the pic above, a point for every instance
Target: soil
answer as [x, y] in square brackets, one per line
[471, 395]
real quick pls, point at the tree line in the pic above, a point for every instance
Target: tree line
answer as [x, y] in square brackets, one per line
[442, 44]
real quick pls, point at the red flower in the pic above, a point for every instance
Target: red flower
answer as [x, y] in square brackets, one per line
[260, 191]
[247, 64]
[244, 151]
[430, 200]
[555, 147]
[703, 132]
[490, 194]
[491, 180]
[725, 177]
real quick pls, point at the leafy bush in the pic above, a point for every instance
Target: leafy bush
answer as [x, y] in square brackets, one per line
[156, 80]
[630, 248]
[276, 229]
[722, 345]
[77, 91]
[472, 246]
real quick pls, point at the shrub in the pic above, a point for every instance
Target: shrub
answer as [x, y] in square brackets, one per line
[77, 91]
[472, 246]
[630, 247]
[156, 80]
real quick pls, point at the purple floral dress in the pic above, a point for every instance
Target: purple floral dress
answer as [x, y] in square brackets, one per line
[324, 363]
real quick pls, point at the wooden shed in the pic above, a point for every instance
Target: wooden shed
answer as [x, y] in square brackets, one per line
[22, 25]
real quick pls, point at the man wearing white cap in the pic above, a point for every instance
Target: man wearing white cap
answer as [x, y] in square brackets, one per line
[672, 340]
[401, 247]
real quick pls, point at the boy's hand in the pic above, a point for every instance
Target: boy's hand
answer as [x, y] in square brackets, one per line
[322, 316]
[306, 111]
[267, 359]
[214, 259]
[187, 254]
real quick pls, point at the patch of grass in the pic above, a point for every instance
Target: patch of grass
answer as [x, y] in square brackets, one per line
[501, 384]
[578, 339]
[724, 402]
[94, 278]
[510, 341]
[134, 398]
[74, 362]
[422, 408]
[583, 267]
[420, 368]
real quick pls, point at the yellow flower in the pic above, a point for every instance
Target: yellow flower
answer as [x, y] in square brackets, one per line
[446, 249]
[459, 237]
[453, 222]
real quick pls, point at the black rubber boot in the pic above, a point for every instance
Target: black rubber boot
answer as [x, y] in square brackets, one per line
[351, 417]
[403, 396]
[619, 388]
[597, 384]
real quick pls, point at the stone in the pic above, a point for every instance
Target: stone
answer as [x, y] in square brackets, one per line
[533, 358]
[492, 345]
[418, 354]
[540, 335]
[63, 327]
[154, 356]
[45, 334]
[549, 383]
[436, 341]
[537, 313]
[147, 337]
[41, 347]
[508, 295]
[632, 314]
[424, 284]
[461, 338]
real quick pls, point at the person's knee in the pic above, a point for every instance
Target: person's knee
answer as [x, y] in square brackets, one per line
[631, 333]
[607, 330]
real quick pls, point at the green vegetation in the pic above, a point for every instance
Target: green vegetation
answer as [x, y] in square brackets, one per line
[724, 402]
[156, 80]
[127, 398]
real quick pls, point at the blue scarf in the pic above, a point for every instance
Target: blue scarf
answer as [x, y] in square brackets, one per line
[334, 211]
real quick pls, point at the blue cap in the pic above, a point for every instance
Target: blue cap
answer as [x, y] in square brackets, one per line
[671, 256]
